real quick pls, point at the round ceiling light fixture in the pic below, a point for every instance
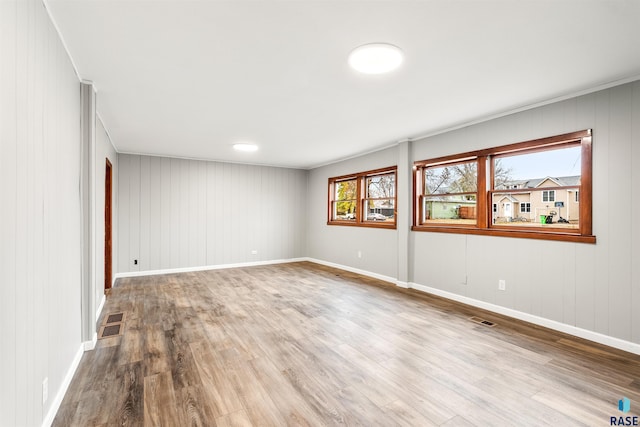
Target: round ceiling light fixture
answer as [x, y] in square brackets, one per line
[247, 147]
[376, 58]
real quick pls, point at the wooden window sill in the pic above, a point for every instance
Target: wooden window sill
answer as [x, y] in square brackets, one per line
[522, 234]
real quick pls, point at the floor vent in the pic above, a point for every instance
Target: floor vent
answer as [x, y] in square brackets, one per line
[112, 325]
[481, 321]
[114, 318]
[109, 331]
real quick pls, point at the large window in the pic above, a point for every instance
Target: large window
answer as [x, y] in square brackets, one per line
[528, 189]
[364, 199]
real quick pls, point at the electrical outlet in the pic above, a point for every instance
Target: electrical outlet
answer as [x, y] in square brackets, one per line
[45, 390]
[135, 262]
[359, 254]
[502, 285]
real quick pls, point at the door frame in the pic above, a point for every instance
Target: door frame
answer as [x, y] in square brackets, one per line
[108, 226]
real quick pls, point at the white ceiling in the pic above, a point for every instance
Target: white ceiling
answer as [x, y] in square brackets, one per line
[190, 78]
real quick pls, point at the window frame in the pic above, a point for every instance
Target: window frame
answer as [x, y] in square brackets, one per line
[485, 187]
[444, 162]
[526, 206]
[361, 193]
[352, 200]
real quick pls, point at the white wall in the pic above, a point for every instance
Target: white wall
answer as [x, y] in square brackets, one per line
[176, 213]
[594, 287]
[104, 150]
[340, 244]
[39, 213]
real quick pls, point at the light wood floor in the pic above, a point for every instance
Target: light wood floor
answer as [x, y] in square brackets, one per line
[302, 344]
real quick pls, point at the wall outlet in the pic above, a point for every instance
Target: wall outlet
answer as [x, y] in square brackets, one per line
[45, 390]
[359, 254]
[135, 262]
[254, 252]
[502, 285]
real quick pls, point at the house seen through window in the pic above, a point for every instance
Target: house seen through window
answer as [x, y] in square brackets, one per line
[547, 183]
[450, 193]
[537, 189]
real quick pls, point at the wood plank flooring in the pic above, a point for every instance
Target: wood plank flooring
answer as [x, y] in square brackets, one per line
[307, 345]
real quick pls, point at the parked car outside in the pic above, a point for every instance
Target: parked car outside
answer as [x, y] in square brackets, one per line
[376, 217]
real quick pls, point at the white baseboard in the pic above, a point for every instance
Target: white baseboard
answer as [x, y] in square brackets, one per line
[353, 270]
[204, 268]
[537, 320]
[402, 284]
[100, 307]
[90, 345]
[57, 401]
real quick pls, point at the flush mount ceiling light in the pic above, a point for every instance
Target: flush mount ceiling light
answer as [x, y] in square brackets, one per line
[245, 146]
[375, 58]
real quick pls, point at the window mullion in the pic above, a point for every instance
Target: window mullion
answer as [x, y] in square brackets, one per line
[482, 197]
[359, 205]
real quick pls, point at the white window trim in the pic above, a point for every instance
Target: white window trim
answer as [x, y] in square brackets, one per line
[549, 199]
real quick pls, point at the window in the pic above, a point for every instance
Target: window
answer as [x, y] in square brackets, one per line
[479, 192]
[450, 192]
[346, 199]
[364, 199]
[380, 197]
[549, 196]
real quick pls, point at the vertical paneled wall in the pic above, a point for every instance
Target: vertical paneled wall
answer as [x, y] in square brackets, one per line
[377, 247]
[175, 213]
[40, 241]
[593, 287]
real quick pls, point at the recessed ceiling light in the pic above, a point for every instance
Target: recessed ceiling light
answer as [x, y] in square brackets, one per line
[375, 58]
[244, 146]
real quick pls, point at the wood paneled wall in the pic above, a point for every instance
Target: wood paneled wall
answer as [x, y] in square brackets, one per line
[40, 240]
[176, 213]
